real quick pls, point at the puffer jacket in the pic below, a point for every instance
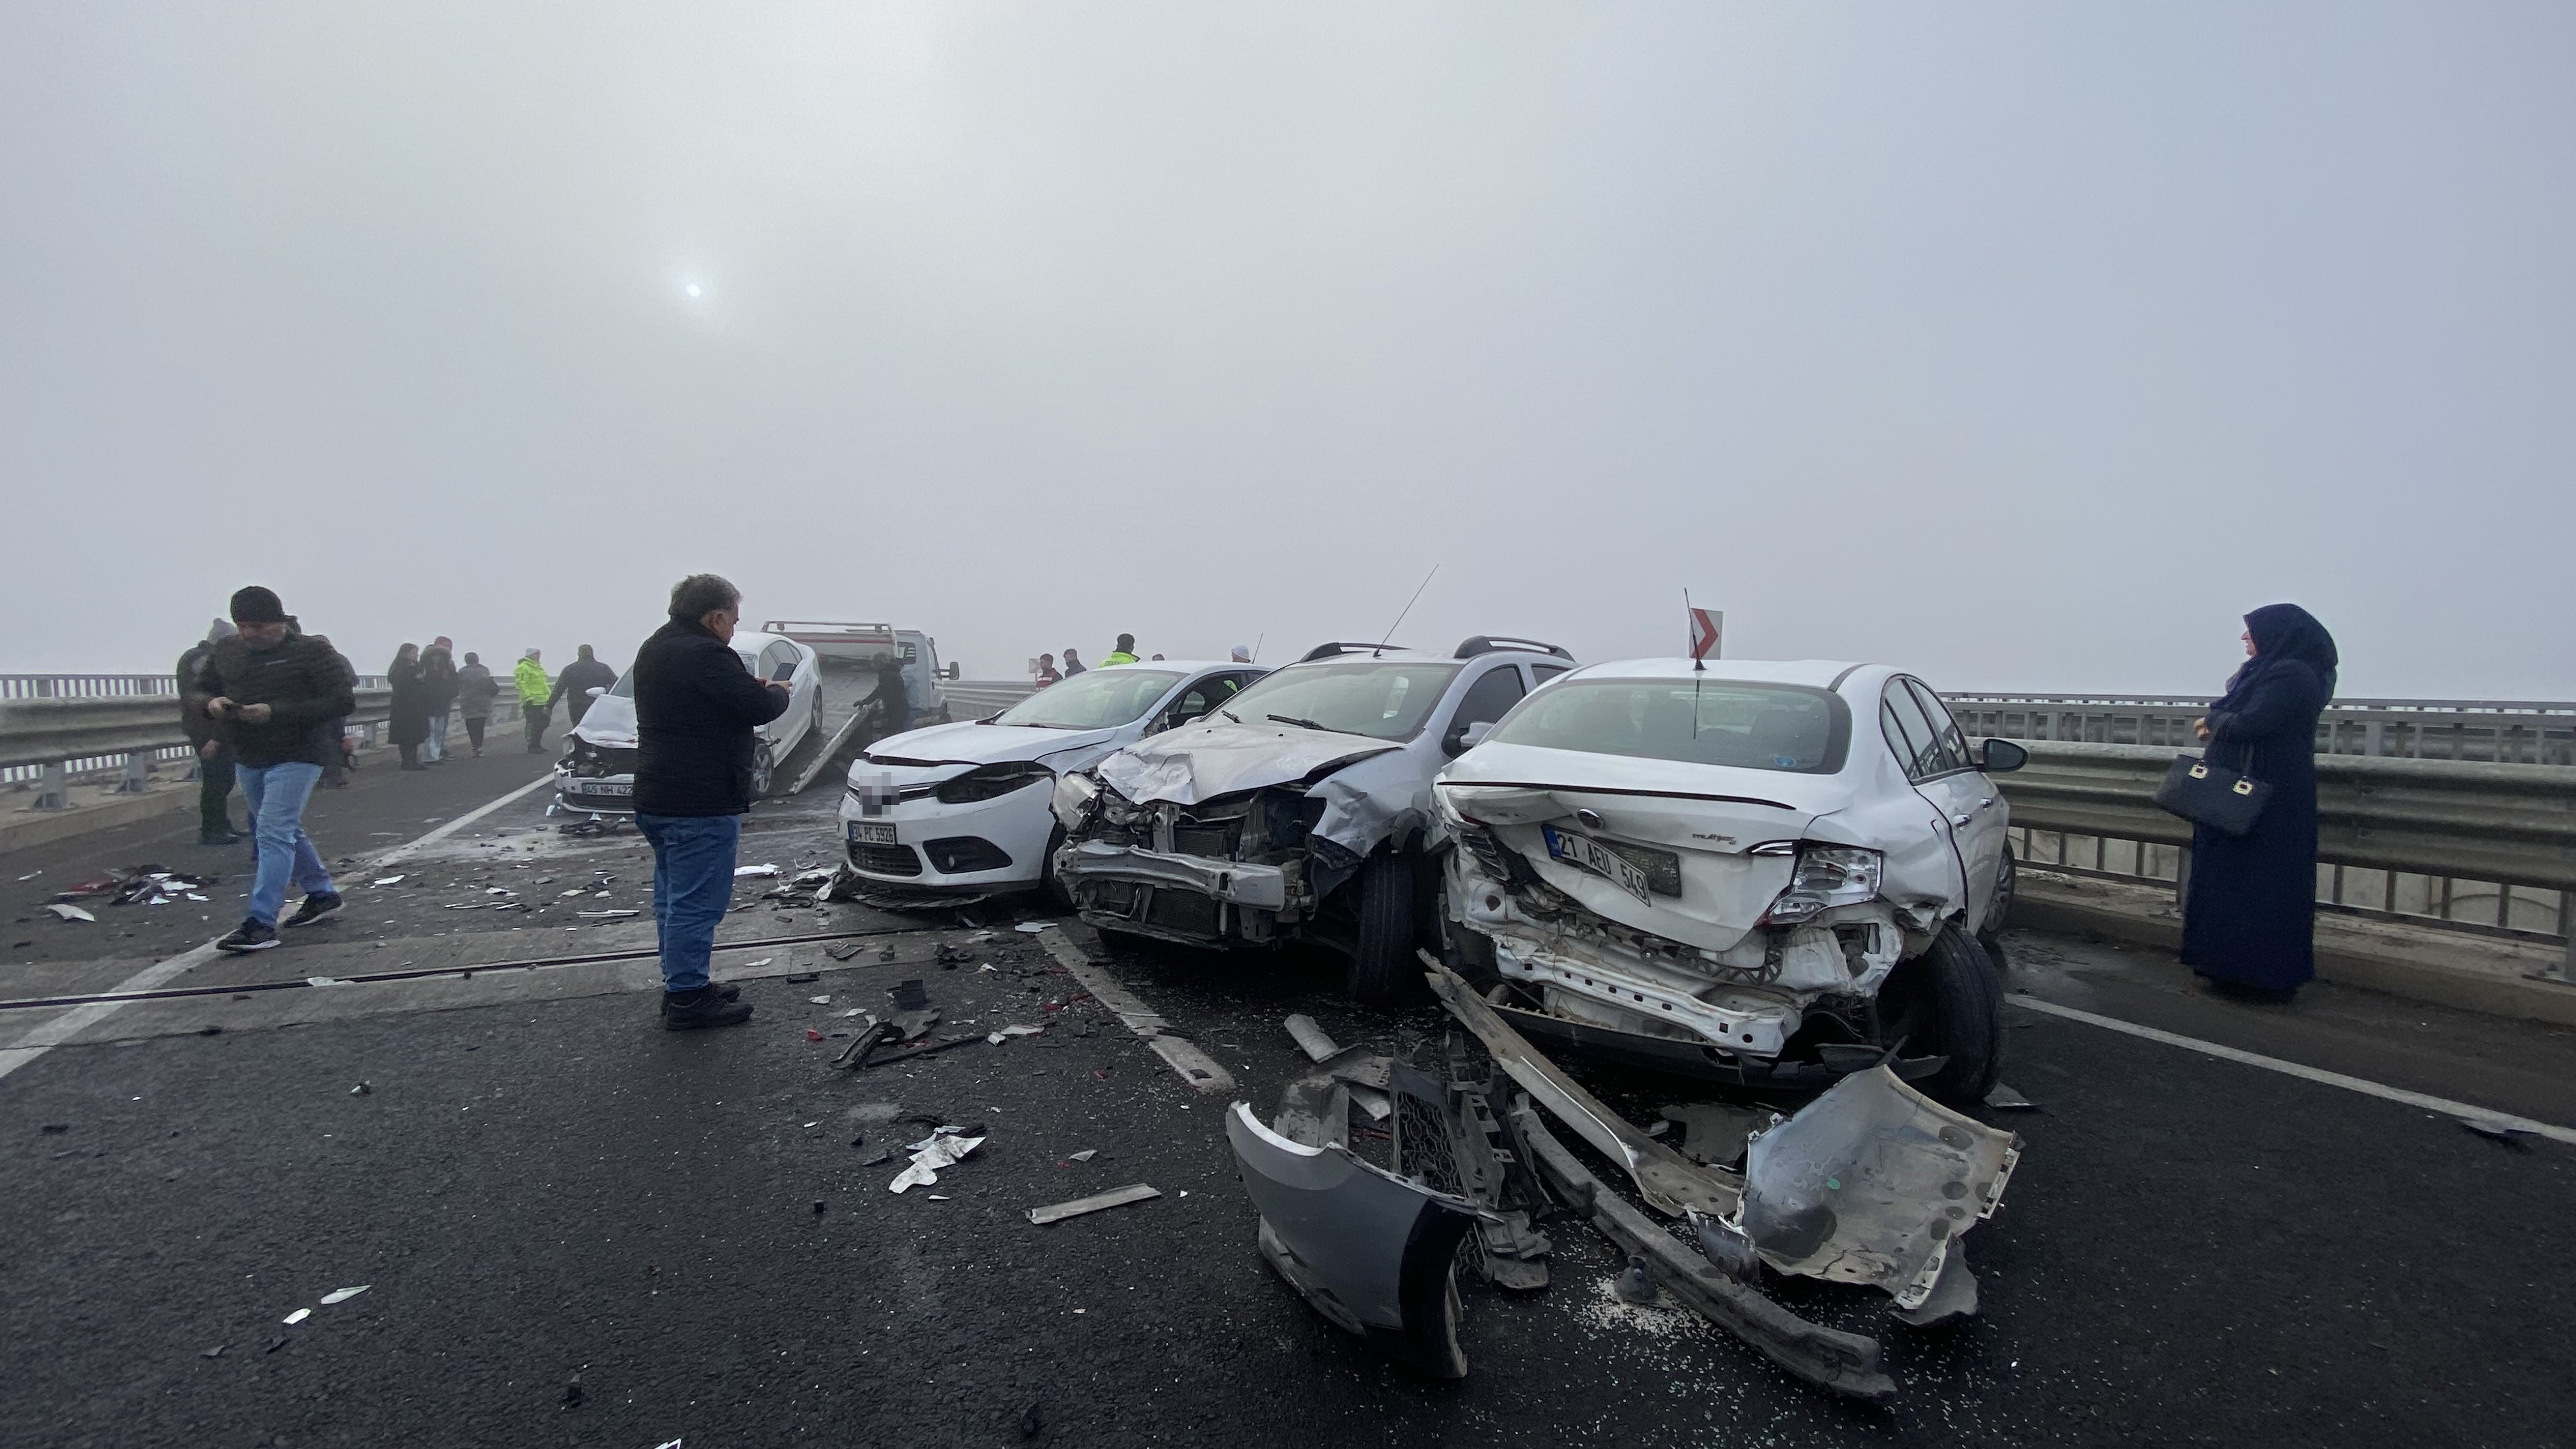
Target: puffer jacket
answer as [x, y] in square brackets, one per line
[696, 710]
[306, 685]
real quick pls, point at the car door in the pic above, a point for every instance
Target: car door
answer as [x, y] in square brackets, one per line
[1981, 840]
[1936, 770]
[1488, 699]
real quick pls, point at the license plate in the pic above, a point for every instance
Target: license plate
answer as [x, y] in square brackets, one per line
[1585, 853]
[620, 788]
[871, 832]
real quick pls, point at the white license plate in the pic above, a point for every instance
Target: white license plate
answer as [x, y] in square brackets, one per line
[1588, 854]
[871, 832]
[620, 788]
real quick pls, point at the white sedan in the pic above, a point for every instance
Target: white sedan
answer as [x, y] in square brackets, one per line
[1771, 873]
[596, 775]
[956, 808]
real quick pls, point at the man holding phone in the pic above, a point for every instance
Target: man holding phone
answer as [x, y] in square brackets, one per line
[696, 711]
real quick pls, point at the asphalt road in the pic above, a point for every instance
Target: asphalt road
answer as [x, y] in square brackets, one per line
[538, 1186]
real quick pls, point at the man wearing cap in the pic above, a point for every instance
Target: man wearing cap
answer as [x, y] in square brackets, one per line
[1242, 654]
[270, 691]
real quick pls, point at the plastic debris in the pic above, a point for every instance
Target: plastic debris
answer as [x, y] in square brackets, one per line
[820, 1000]
[324, 981]
[2004, 1099]
[343, 1295]
[1031, 928]
[741, 871]
[940, 1149]
[362, 1089]
[216, 1352]
[70, 913]
[845, 950]
[1115, 1197]
[608, 915]
[812, 1035]
[2495, 1131]
[389, 880]
[1085, 1155]
[298, 1316]
[1006, 1033]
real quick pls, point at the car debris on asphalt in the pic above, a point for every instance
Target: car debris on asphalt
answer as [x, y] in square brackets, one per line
[70, 913]
[944, 1147]
[1115, 1197]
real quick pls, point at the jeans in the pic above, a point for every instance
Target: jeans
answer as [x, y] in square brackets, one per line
[693, 858]
[433, 746]
[277, 794]
[215, 794]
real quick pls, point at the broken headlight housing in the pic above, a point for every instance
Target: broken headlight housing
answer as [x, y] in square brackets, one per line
[1073, 796]
[1827, 876]
[990, 782]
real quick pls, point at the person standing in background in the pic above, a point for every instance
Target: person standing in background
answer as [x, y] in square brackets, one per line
[1242, 654]
[1047, 671]
[1073, 664]
[1125, 653]
[270, 689]
[214, 757]
[475, 691]
[409, 715]
[574, 685]
[536, 699]
[2250, 912]
[438, 677]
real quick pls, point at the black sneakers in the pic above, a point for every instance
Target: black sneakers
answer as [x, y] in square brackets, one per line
[315, 908]
[247, 937]
[712, 1006]
[229, 837]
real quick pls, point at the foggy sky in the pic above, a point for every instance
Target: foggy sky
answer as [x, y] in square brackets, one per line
[2024, 345]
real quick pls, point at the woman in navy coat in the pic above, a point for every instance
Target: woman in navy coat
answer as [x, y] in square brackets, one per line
[2249, 919]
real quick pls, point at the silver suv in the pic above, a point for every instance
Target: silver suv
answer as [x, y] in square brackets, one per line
[1302, 810]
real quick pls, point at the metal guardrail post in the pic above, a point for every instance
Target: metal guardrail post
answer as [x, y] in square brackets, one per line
[138, 774]
[54, 792]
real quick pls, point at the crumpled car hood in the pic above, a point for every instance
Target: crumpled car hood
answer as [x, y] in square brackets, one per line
[982, 744]
[610, 724]
[1207, 762]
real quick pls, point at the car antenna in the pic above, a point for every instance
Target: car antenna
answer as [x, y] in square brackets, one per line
[1257, 641]
[1408, 608]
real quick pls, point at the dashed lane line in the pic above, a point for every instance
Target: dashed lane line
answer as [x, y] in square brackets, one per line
[2319, 1075]
[1196, 1067]
[47, 1035]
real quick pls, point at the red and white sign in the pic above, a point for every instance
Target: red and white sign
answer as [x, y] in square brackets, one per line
[1707, 627]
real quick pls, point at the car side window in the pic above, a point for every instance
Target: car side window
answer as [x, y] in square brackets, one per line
[1945, 730]
[777, 658]
[1545, 672]
[1488, 699]
[1909, 734]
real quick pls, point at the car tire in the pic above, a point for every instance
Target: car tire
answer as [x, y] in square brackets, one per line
[1052, 889]
[763, 768]
[1947, 1002]
[1992, 936]
[1382, 963]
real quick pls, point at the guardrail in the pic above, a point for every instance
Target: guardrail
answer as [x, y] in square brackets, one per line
[2497, 731]
[2464, 846]
[47, 742]
[976, 698]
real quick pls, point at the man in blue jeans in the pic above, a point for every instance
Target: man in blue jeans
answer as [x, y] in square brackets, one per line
[696, 707]
[271, 691]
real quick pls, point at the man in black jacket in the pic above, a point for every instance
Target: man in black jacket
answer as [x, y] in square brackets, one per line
[696, 707]
[214, 760]
[579, 678]
[271, 690]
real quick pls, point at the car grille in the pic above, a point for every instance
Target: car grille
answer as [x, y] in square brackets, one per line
[1216, 840]
[1183, 911]
[886, 859]
[594, 762]
[958, 854]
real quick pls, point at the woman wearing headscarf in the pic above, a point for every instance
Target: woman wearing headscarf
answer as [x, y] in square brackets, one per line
[2249, 919]
[411, 704]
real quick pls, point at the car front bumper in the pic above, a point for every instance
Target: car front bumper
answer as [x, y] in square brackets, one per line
[595, 794]
[1016, 825]
[1180, 897]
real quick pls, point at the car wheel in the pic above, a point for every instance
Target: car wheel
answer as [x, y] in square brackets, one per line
[1992, 937]
[762, 767]
[1048, 886]
[1382, 964]
[1946, 1002]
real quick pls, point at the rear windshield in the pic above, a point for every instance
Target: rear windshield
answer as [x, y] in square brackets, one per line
[1749, 726]
[1096, 699]
[1385, 700]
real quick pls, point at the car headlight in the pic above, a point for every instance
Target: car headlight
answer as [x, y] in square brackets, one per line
[1827, 876]
[989, 782]
[1073, 796]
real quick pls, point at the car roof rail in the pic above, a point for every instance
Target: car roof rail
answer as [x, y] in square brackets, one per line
[1475, 644]
[1332, 647]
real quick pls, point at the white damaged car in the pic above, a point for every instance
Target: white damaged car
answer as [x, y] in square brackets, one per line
[961, 809]
[1300, 811]
[596, 775]
[1774, 874]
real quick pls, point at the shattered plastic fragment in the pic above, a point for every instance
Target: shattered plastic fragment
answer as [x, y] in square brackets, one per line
[324, 981]
[1115, 1197]
[607, 915]
[741, 871]
[997, 1038]
[70, 913]
[820, 1000]
[298, 1316]
[343, 1295]
[1085, 1155]
[390, 880]
[930, 1155]
[2004, 1099]
[1031, 928]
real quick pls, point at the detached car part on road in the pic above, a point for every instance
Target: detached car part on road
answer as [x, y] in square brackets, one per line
[1302, 810]
[1772, 874]
[963, 809]
[596, 775]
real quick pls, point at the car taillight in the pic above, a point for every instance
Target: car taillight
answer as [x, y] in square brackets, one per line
[1826, 876]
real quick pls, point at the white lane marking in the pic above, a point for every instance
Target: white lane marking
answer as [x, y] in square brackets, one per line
[1195, 1067]
[2310, 1074]
[47, 1035]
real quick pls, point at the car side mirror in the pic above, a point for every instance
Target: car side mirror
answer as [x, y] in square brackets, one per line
[953, 667]
[1997, 756]
[596, 690]
[1466, 737]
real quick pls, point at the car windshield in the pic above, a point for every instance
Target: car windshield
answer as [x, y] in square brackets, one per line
[1097, 699]
[1718, 722]
[1384, 699]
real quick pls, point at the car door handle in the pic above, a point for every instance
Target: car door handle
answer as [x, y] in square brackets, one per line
[1958, 819]
[1987, 803]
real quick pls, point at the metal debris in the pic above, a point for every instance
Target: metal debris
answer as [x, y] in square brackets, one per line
[1115, 1197]
[70, 913]
[343, 1295]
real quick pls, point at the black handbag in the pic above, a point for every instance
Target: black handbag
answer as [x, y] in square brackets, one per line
[2212, 795]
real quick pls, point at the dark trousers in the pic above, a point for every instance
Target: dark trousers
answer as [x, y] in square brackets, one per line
[474, 731]
[215, 794]
[538, 716]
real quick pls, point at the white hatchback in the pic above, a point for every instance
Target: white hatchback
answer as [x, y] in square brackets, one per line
[596, 775]
[1773, 873]
[956, 809]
